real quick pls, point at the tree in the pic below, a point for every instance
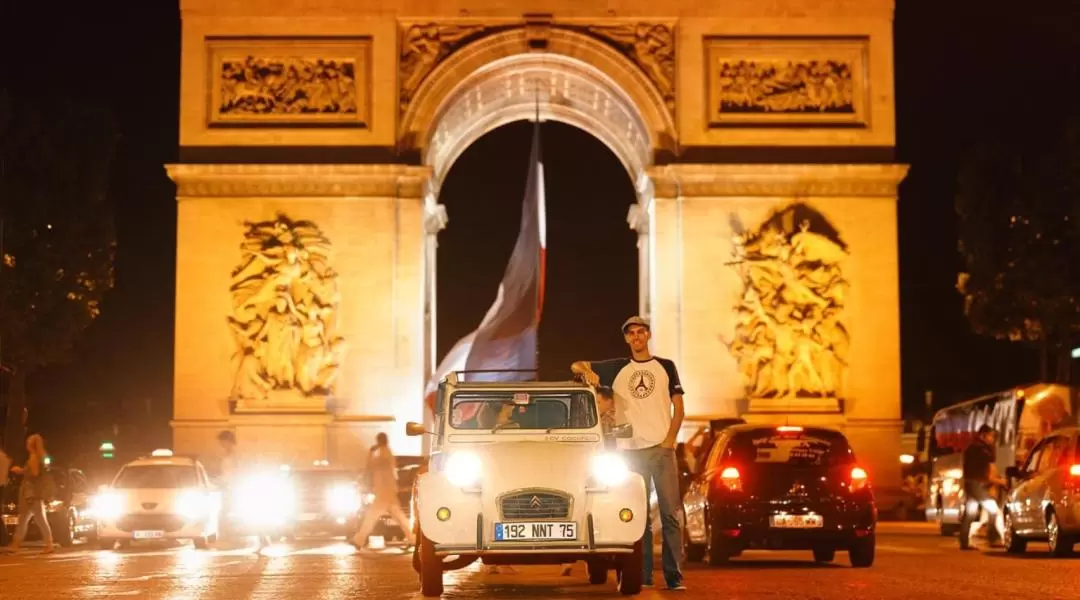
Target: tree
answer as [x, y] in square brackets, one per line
[58, 238]
[1019, 237]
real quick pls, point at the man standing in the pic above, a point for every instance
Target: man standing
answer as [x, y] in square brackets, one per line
[980, 473]
[649, 396]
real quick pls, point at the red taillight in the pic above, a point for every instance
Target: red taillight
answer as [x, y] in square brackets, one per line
[731, 479]
[1074, 470]
[859, 478]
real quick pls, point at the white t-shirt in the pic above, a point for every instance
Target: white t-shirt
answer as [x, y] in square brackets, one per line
[643, 392]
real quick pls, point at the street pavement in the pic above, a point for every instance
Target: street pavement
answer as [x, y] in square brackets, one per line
[912, 561]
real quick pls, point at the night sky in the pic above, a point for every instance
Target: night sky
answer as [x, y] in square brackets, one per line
[960, 79]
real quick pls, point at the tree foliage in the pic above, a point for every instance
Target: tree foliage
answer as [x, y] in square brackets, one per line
[58, 236]
[1018, 204]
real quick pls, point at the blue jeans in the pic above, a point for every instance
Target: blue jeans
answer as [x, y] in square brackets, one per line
[657, 466]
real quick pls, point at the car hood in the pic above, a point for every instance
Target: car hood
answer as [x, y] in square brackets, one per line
[515, 465]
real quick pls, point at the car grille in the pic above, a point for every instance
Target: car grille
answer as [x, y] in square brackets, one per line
[166, 523]
[535, 504]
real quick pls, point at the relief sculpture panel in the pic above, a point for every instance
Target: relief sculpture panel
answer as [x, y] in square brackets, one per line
[790, 340]
[786, 82]
[284, 316]
[284, 83]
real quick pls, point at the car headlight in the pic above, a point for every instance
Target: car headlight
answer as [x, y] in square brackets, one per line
[268, 499]
[343, 500]
[609, 469]
[192, 504]
[463, 469]
[107, 505]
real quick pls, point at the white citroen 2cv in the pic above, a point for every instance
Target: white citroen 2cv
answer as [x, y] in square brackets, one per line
[520, 473]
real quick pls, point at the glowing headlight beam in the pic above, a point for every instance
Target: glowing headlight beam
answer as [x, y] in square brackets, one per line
[609, 469]
[463, 469]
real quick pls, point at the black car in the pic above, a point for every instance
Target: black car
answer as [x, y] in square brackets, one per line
[67, 513]
[328, 501]
[780, 488]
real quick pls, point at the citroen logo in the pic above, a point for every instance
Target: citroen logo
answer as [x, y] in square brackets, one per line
[535, 502]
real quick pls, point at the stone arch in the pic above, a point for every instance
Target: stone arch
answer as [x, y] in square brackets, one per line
[580, 81]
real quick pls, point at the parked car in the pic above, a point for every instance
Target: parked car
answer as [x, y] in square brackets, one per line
[781, 488]
[1044, 503]
[69, 516]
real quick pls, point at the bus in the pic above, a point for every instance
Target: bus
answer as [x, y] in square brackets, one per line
[1020, 416]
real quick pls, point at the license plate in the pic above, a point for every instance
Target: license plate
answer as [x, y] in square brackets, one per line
[11, 520]
[149, 535]
[512, 532]
[797, 521]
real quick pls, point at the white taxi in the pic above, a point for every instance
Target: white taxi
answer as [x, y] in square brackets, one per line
[158, 497]
[521, 473]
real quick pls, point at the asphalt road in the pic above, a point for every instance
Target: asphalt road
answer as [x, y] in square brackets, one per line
[912, 561]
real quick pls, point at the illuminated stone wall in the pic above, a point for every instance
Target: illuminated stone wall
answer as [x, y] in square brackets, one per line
[287, 106]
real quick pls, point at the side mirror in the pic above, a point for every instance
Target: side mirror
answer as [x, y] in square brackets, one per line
[413, 429]
[1014, 473]
[622, 432]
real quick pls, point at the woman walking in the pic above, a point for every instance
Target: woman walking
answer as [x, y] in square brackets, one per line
[33, 492]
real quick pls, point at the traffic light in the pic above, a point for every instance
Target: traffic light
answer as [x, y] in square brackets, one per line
[106, 449]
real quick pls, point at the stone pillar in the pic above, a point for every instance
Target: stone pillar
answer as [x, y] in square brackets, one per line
[367, 221]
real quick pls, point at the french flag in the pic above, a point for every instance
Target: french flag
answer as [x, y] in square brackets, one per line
[506, 337]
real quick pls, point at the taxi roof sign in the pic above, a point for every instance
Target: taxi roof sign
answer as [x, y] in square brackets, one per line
[521, 398]
[106, 447]
[162, 452]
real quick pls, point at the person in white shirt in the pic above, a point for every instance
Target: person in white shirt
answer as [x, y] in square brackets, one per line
[649, 396]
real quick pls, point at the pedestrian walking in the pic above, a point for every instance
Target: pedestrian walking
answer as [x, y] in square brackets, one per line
[5, 470]
[382, 469]
[980, 474]
[34, 491]
[648, 396]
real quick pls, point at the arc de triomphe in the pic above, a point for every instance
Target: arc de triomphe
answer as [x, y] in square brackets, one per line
[315, 134]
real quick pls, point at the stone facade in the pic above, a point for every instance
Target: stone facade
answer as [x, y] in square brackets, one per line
[735, 119]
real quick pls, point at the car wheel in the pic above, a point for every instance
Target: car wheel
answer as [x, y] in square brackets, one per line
[719, 547]
[1060, 543]
[948, 529]
[416, 558]
[861, 552]
[201, 543]
[631, 567]
[695, 552]
[824, 555]
[598, 571]
[63, 529]
[431, 569]
[1014, 544]
[106, 544]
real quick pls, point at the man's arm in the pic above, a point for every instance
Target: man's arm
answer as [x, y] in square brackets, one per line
[584, 368]
[599, 372]
[676, 422]
[675, 390]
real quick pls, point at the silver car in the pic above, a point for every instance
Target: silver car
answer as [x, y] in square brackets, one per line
[1044, 503]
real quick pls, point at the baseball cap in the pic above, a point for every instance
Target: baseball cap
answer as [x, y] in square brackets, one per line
[635, 320]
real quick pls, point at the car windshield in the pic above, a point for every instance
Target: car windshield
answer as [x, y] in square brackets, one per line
[492, 411]
[791, 448]
[156, 477]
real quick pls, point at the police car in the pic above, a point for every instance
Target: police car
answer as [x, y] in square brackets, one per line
[158, 497]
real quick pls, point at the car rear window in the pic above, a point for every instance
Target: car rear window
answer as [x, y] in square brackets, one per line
[805, 448]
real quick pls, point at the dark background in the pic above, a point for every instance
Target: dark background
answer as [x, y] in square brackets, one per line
[965, 71]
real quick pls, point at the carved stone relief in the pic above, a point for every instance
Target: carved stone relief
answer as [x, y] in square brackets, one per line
[283, 82]
[764, 82]
[790, 340]
[651, 46]
[284, 315]
[425, 45]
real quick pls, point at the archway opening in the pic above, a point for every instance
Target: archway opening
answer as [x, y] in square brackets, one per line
[592, 255]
